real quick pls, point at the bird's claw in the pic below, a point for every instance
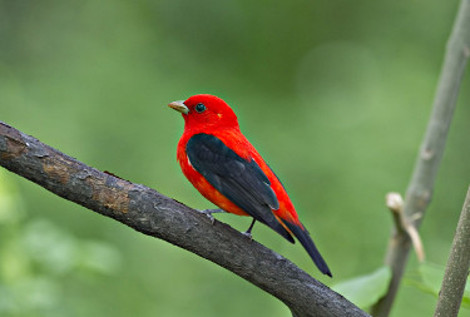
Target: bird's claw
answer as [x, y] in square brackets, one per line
[211, 218]
[209, 212]
[248, 235]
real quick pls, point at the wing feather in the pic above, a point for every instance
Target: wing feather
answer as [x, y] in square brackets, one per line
[241, 181]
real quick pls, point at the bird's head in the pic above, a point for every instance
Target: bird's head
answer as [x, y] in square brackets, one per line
[205, 111]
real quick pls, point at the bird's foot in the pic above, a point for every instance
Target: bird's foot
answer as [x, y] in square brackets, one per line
[248, 235]
[248, 232]
[209, 212]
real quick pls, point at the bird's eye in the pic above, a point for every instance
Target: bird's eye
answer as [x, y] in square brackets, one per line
[200, 108]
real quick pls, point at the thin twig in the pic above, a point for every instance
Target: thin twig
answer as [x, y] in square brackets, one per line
[422, 182]
[395, 203]
[455, 277]
[151, 213]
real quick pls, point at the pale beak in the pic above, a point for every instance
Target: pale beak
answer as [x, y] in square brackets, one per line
[179, 106]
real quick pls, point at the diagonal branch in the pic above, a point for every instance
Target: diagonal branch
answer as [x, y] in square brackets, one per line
[455, 277]
[421, 185]
[151, 213]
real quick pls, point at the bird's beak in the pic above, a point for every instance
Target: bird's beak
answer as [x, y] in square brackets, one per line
[179, 106]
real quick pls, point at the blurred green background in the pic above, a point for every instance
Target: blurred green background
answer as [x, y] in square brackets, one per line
[335, 95]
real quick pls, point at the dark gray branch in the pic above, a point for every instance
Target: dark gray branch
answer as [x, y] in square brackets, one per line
[151, 213]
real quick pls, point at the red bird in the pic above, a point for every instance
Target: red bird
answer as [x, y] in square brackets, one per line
[226, 169]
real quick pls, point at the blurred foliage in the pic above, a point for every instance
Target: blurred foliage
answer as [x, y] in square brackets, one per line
[38, 259]
[335, 94]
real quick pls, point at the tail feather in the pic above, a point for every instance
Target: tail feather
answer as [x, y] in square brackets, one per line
[307, 242]
[278, 227]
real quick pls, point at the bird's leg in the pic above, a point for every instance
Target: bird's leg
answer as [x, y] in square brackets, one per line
[248, 232]
[209, 212]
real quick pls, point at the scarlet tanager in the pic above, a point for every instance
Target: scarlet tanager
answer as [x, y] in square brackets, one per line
[226, 169]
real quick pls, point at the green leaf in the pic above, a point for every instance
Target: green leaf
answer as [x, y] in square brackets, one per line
[431, 275]
[365, 290]
[431, 280]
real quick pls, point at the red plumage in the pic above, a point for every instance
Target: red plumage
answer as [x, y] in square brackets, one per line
[227, 170]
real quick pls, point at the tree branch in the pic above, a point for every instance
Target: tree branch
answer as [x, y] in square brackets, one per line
[456, 274]
[151, 213]
[422, 182]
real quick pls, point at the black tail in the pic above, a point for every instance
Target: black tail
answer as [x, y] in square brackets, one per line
[277, 226]
[308, 244]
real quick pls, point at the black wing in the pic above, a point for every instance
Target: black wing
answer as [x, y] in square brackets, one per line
[241, 181]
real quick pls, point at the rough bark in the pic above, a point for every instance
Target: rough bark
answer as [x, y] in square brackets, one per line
[147, 211]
